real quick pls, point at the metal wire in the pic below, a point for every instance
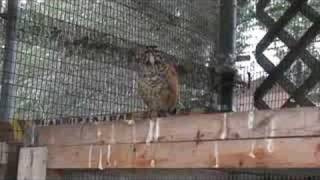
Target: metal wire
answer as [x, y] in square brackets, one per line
[71, 55]
[71, 60]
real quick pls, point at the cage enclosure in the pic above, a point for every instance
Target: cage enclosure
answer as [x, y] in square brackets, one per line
[61, 60]
[71, 56]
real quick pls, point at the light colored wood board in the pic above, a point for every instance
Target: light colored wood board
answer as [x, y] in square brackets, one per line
[33, 163]
[246, 125]
[104, 133]
[90, 156]
[276, 153]
[171, 129]
[201, 126]
[4, 150]
[68, 134]
[273, 123]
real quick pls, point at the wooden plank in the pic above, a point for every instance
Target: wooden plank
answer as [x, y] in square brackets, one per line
[32, 163]
[267, 153]
[4, 149]
[247, 125]
[121, 132]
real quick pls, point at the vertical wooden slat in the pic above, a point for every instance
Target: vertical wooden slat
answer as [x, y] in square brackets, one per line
[33, 163]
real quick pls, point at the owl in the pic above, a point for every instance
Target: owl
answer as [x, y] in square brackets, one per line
[158, 80]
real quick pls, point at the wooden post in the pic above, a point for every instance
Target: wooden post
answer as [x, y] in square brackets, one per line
[33, 163]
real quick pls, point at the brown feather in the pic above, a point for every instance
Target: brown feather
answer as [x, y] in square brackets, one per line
[158, 83]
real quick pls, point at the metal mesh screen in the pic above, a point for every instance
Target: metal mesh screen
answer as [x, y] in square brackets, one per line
[71, 60]
[71, 57]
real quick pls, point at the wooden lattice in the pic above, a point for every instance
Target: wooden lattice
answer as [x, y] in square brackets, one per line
[297, 48]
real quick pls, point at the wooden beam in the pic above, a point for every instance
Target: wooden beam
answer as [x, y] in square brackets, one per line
[200, 127]
[4, 149]
[223, 140]
[32, 163]
[268, 153]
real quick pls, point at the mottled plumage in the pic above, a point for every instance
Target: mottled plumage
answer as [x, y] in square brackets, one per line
[158, 83]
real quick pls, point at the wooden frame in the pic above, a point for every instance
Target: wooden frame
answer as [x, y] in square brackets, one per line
[285, 138]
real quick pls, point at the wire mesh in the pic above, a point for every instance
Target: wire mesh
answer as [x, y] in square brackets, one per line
[72, 59]
[72, 55]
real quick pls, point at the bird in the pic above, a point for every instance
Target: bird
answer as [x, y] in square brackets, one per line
[158, 80]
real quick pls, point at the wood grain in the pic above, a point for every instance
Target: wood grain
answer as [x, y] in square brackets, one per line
[285, 153]
[248, 125]
[288, 138]
[33, 163]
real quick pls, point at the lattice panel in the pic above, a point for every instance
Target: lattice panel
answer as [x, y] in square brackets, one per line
[297, 50]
